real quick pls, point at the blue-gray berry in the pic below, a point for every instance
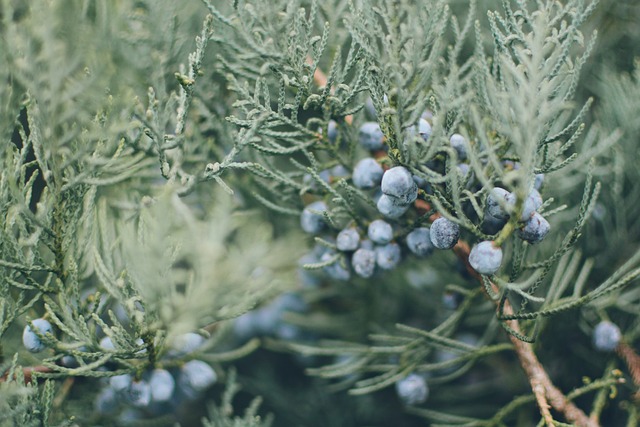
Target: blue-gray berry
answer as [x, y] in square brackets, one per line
[493, 207]
[162, 385]
[370, 136]
[398, 183]
[138, 394]
[312, 220]
[458, 143]
[444, 233]
[195, 377]
[419, 241]
[348, 239]
[535, 229]
[106, 402]
[185, 344]
[538, 181]
[30, 340]
[388, 207]
[363, 262]
[606, 336]
[380, 232]
[424, 129]
[120, 383]
[412, 389]
[388, 256]
[336, 270]
[528, 206]
[367, 173]
[485, 258]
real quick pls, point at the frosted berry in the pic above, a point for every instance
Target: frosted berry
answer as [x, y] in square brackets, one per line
[138, 394]
[535, 229]
[120, 383]
[458, 143]
[29, 338]
[528, 206]
[367, 173]
[363, 262]
[539, 180]
[444, 233]
[606, 336]
[388, 207]
[185, 344]
[371, 137]
[348, 239]
[311, 219]
[535, 198]
[493, 207]
[388, 256]
[424, 129]
[380, 232]
[195, 377]
[398, 183]
[162, 385]
[485, 258]
[412, 389]
[419, 241]
[336, 270]
[106, 402]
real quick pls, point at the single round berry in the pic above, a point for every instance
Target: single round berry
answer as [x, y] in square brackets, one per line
[528, 206]
[120, 383]
[106, 402]
[535, 229]
[312, 220]
[606, 336]
[162, 385]
[185, 344]
[398, 183]
[444, 233]
[464, 169]
[535, 199]
[493, 207]
[371, 137]
[412, 389]
[195, 377]
[336, 270]
[485, 258]
[30, 340]
[363, 262]
[138, 394]
[538, 181]
[380, 232]
[388, 207]
[424, 129]
[458, 143]
[367, 173]
[419, 241]
[348, 239]
[451, 300]
[388, 256]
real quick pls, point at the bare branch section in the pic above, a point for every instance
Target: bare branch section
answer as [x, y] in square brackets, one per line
[631, 358]
[547, 395]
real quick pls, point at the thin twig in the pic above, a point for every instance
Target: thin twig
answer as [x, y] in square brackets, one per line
[547, 395]
[632, 360]
[27, 372]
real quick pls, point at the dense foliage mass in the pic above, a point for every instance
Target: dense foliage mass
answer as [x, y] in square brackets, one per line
[338, 213]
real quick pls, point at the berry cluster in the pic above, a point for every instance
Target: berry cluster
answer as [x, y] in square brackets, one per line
[378, 245]
[501, 205]
[158, 391]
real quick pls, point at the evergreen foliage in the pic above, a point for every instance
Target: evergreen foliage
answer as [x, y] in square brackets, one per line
[246, 190]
